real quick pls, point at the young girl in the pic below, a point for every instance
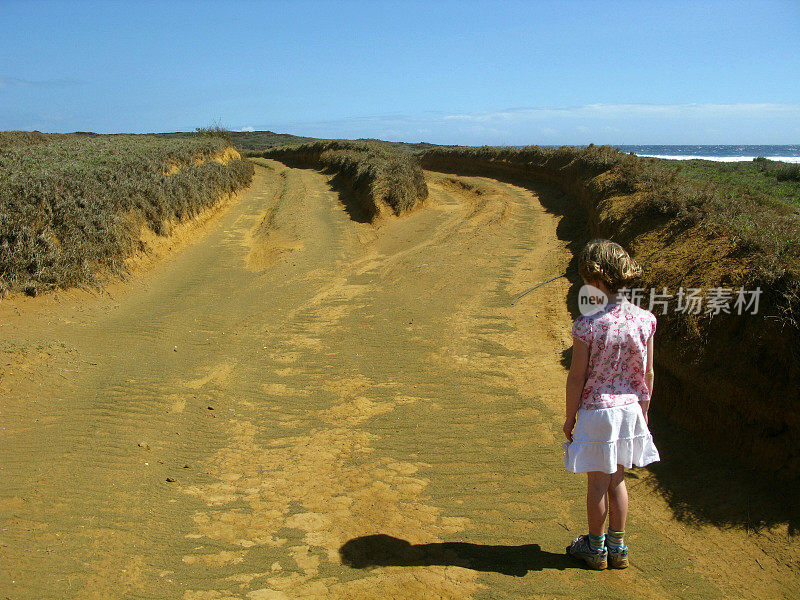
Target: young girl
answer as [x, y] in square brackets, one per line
[608, 394]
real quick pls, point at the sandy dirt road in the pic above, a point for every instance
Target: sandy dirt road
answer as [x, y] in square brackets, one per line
[300, 405]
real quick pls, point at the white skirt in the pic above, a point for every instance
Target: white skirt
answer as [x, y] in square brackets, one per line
[606, 437]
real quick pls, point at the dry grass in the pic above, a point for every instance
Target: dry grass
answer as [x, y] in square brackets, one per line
[71, 206]
[377, 174]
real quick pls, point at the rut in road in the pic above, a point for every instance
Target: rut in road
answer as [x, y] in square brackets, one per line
[301, 405]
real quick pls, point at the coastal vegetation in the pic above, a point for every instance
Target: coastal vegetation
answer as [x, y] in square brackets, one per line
[376, 175]
[255, 142]
[754, 203]
[72, 206]
[248, 141]
[760, 178]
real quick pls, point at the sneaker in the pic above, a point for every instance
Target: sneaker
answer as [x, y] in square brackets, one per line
[580, 548]
[617, 557]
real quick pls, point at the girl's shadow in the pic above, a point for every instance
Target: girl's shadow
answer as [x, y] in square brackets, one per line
[382, 550]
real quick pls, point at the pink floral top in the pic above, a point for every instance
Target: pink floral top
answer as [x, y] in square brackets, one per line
[617, 338]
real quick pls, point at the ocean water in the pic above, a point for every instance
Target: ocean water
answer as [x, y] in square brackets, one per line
[724, 153]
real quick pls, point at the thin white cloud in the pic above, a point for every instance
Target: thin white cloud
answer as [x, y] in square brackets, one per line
[606, 111]
[248, 128]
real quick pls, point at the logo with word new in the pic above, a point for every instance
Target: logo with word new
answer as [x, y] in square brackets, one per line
[591, 300]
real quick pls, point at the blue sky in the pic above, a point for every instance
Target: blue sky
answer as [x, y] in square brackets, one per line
[546, 72]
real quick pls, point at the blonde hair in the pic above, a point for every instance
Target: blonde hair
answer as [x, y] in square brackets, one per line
[609, 262]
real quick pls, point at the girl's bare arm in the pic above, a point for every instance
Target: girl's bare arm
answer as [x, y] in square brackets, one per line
[575, 382]
[649, 377]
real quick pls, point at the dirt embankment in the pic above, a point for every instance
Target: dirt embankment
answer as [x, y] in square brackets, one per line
[223, 158]
[373, 180]
[730, 378]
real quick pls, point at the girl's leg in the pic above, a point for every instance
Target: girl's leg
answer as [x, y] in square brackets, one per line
[596, 504]
[617, 500]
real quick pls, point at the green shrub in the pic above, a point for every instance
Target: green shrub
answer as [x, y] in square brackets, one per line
[788, 173]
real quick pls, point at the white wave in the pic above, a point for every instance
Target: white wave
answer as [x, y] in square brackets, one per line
[786, 159]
